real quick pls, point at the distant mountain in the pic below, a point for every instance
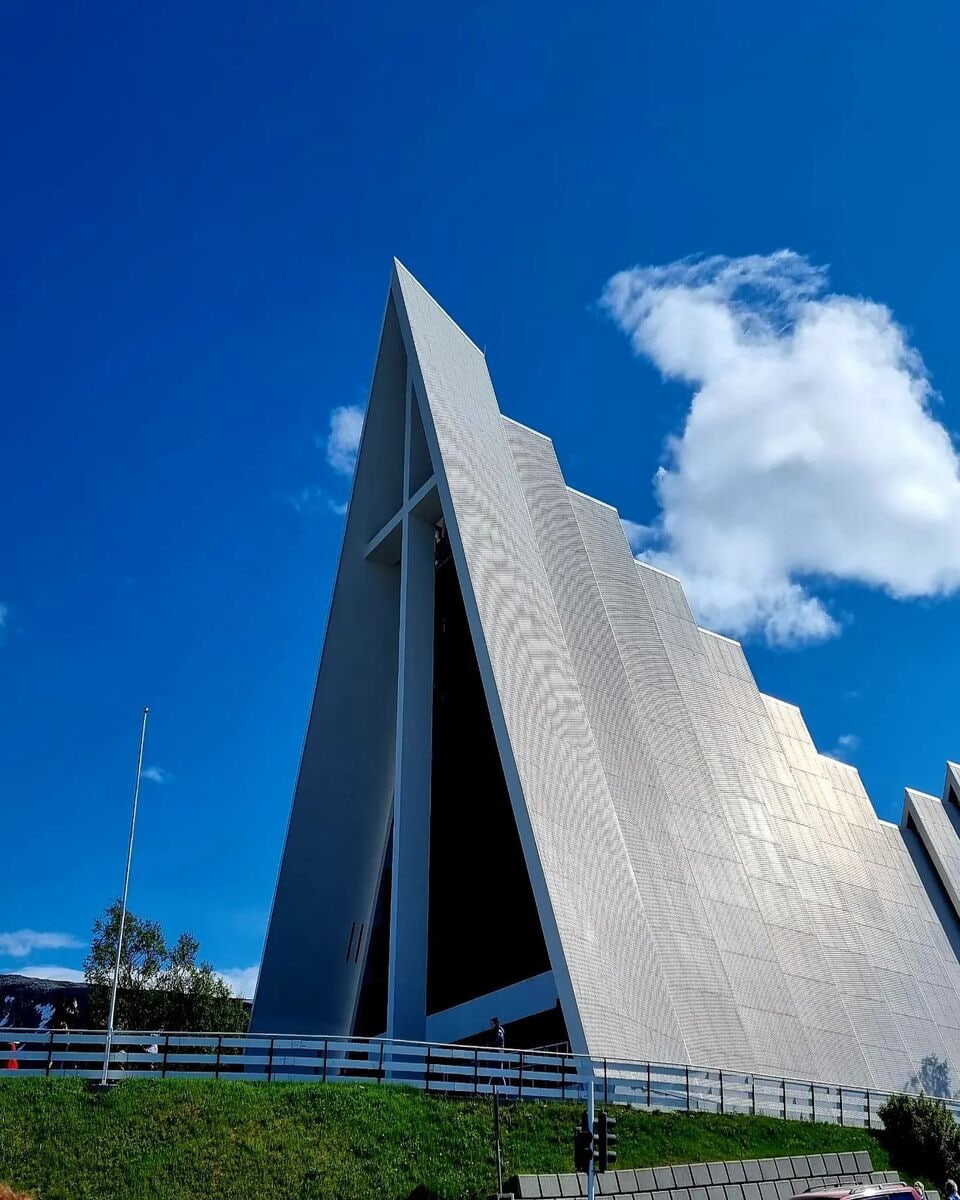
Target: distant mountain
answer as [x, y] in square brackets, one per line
[27, 1003]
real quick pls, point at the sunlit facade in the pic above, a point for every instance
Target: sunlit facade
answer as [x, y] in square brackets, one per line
[532, 787]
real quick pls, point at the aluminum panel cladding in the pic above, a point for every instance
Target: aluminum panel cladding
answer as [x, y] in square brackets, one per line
[677, 826]
[564, 812]
[632, 777]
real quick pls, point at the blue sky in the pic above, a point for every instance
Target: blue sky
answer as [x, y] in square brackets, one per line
[199, 209]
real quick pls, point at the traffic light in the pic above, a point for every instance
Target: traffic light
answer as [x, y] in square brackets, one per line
[582, 1145]
[606, 1142]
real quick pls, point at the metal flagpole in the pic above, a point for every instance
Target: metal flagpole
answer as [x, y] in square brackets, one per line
[108, 1045]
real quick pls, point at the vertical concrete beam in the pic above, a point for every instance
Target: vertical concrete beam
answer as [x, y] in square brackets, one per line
[407, 996]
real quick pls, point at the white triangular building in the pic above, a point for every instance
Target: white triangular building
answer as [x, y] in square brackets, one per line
[532, 787]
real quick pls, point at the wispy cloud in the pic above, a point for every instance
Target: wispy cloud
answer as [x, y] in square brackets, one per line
[242, 981]
[847, 745]
[809, 451]
[305, 500]
[343, 438]
[67, 974]
[157, 775]
[311, 500]
[22, 942]
[637, 535]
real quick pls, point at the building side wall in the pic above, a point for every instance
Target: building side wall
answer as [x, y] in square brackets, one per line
[319, 928]
[939, 837]
[879, 937]
[728, 984]
[764, 801]
[711, 889]
[630, 770]
[573, 844]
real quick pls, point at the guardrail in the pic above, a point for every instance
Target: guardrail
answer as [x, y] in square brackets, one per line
[462, 1070]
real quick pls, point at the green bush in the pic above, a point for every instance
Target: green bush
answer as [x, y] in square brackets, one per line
[922, 1136]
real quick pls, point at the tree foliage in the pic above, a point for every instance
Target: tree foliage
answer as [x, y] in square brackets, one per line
[161, 986]
[922, 1136]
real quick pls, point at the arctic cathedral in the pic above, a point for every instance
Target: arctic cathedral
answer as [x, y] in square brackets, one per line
[532, 787]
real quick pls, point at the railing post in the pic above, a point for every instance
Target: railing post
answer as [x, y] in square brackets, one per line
[49, 1054]
[722, 1107]
[687, 1072]
[476, 1072]
[813, 1103]
[869, 1116]
[325, 1047]
[520, 1079]
[380, 1066]
[427, 1074]
[753, 1094]
[216, 1065]
[270, 1062]
[606, 1092]
[649, 1103]
[783, 1088]
[840, 1092]
[563, 1077]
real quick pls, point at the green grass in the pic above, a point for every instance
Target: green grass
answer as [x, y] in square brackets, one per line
[231, 1140]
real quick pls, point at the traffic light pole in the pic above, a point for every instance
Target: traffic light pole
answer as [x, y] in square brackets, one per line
[590, 1171]
[496, 1139]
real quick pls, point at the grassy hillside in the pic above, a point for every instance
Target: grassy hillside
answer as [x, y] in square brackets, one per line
[227, 1140]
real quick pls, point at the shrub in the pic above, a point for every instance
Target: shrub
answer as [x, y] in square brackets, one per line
[922, 1136]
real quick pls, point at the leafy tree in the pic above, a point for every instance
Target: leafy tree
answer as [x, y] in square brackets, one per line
[922, 1136]
[161, 986]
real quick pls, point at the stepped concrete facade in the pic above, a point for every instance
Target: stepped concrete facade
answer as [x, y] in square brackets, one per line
[532, 787]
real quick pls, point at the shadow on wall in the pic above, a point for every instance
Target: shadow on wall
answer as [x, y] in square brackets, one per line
[933, 1079]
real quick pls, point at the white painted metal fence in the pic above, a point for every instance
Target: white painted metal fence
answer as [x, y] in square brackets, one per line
[465, 1070]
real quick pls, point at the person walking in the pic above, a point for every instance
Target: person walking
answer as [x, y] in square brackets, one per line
[69, 1020]
[950, 1190]
[12, 1064]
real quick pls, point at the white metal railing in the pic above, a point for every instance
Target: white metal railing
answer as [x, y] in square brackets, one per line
[467, 1070]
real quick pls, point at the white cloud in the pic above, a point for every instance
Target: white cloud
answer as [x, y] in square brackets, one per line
[809, 451]
[22, 942]
[67, 974]
[847, 744]
[242, 981]
[343, 438]
[157, 775]
[637, 535]
[4, 614]
[305, 499]
[313, 499]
